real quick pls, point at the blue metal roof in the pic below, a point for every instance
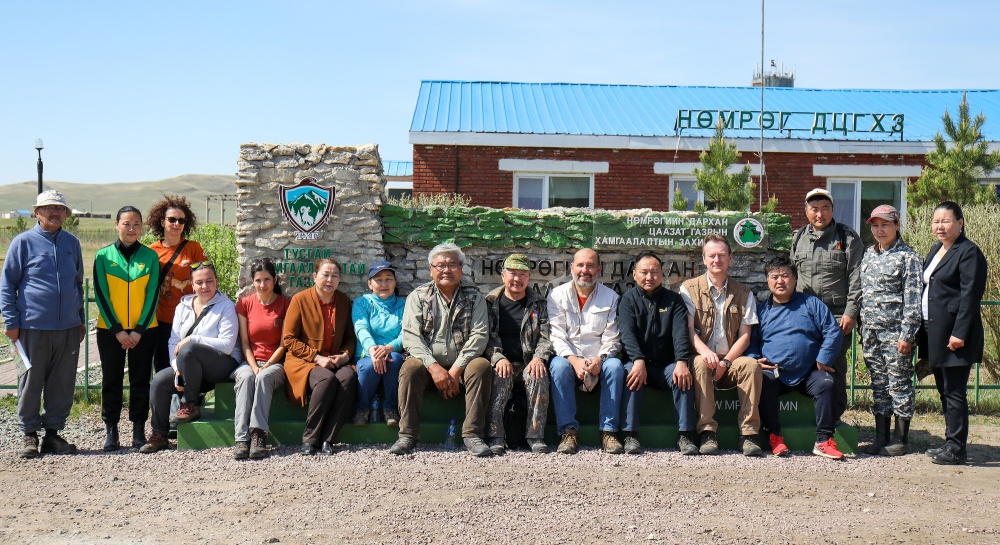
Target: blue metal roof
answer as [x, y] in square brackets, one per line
[397, 168]
[637, 110]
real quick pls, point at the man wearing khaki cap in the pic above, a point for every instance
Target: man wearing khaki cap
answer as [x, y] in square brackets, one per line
[41, 296]
[519, 349]
[828, 256]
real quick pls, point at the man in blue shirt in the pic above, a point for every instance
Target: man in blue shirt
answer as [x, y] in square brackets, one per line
[41, 296]
[796, 343]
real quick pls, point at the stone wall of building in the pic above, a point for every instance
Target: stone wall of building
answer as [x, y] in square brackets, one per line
[550, 238]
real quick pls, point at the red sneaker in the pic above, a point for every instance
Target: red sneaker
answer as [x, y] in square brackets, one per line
[828, 449]
[778, 446]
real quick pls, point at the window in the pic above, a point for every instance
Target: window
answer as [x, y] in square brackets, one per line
[854, 200]
[397, 190]
[686, 185]
[537, 191]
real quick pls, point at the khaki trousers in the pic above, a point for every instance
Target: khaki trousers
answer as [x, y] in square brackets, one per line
[415, 379]
[745, 375]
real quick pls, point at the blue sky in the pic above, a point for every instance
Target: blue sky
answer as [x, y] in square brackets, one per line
[135, 91]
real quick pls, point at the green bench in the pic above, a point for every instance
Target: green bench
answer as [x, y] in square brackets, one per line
[659, 422]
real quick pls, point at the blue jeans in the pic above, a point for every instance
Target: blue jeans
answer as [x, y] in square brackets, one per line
[368, 381]
[564, 383]
[662, 378]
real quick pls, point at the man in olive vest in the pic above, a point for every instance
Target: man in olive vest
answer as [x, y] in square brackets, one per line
[721, 314]
[828, 255]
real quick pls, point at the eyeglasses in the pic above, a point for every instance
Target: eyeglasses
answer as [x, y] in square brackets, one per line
[51, 208]
[447, 267]
[199, 264]
[181, 221]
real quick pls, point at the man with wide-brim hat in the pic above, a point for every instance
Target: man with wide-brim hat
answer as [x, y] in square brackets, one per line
[41, 296]
[519, 351]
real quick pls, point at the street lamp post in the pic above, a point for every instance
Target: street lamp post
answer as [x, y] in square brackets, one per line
[38, 146]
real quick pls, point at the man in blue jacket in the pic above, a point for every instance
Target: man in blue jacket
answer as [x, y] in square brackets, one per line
[796, 343]
[41, 294]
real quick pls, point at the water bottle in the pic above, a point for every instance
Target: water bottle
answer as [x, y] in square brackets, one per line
[375, 415]
[451, 441]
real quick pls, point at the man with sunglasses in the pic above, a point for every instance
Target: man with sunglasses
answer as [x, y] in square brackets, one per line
[445, 331]
[41, 294]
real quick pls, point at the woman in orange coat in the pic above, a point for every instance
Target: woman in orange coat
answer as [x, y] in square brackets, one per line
[319, 337]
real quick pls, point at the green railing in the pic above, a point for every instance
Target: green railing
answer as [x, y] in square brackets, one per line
[88, 298]
[853, 386]
[976, 385]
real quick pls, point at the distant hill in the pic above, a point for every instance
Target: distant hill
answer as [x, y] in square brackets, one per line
[108, 198]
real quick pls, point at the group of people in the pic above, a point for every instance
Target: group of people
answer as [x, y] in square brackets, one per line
[161, 311]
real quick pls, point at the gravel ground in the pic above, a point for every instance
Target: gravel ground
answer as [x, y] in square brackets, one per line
[363, 494]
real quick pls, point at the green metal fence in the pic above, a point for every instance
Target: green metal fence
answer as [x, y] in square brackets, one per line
[977, 386]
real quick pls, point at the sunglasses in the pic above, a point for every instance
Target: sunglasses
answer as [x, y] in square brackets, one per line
[261, 261]
[181, 221]
[199, 264]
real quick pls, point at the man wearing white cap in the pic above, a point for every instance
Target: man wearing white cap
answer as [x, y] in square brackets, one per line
[828, 256]
[41, 296]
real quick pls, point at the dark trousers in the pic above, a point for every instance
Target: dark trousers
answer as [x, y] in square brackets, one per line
[951, 385]
[819, 385]
[201, 366]
[50, 383]
[840, 376]
[140, 364]
[161, 352]
[332, 395]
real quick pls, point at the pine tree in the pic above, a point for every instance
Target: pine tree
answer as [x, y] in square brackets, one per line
[953, 173]
[725, 191]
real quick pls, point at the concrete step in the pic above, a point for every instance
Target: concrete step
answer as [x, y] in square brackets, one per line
[659, 422]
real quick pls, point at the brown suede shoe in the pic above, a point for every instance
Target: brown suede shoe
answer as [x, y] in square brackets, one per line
[155, 443]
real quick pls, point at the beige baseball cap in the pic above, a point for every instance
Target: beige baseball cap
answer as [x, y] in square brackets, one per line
[818, 193]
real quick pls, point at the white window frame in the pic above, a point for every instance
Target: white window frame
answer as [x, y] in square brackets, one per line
[903, 182]
[545, 184]
[674, 178]
[398, 185]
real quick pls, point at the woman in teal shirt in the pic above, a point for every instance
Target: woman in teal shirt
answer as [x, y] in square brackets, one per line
[378, 324]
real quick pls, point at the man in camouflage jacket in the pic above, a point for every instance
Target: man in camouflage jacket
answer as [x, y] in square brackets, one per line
[519, 349]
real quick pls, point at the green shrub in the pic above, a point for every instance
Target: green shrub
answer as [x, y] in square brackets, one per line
[219, 243]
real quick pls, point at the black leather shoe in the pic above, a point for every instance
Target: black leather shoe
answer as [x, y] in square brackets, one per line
[307, 449]
[111, 441]
[327, 448]
[932, 452]
[138, 434]
[949, 457]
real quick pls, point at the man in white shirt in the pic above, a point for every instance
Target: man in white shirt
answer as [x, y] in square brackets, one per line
[584, 331]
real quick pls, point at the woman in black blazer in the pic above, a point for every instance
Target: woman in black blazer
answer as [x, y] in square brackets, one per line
[955, 278]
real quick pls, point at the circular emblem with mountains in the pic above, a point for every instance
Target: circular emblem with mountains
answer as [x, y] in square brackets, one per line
[307, 205]
[748, 232]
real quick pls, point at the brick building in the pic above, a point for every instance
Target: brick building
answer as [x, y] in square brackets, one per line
[536, 145]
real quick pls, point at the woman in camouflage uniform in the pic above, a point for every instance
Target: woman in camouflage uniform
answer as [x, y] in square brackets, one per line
[890, 318]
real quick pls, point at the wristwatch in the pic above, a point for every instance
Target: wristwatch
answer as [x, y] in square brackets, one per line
[604, 358]
[727, 362]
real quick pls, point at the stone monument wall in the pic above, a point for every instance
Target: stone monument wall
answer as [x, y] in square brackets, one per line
[352, 230]
[298, 203]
